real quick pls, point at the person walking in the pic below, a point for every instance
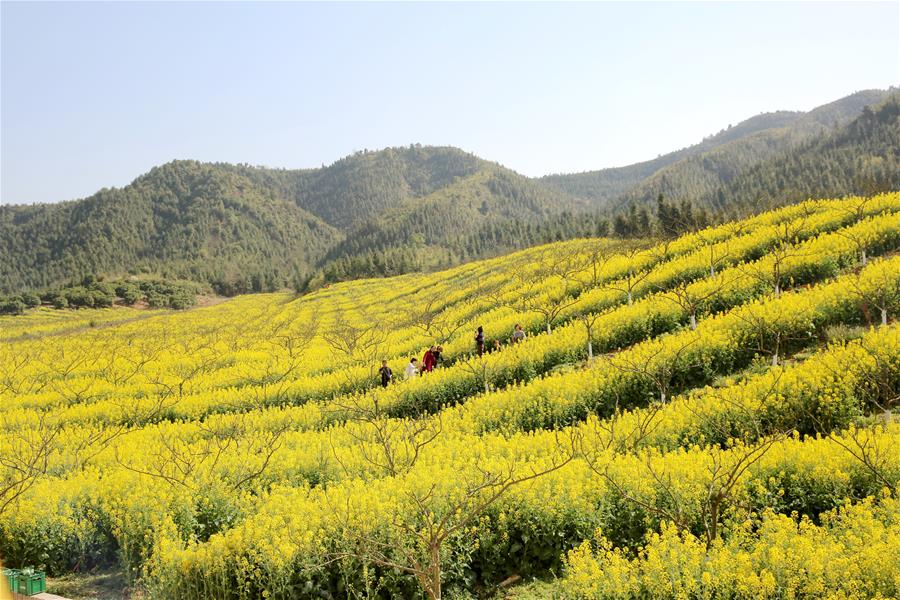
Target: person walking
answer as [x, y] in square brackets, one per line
[412, 369]
[518, 334]
[386, 374]
[479, 340]
[429, 360]
[438, 356]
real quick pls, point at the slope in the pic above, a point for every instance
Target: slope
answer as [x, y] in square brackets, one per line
[184, 219]
[492, 211]
[699, 171]
[862, 156]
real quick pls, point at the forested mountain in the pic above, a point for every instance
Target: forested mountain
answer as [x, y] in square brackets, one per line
[861, 157]
[492, 211]
[243, 228]
[182, 220]
[697, 173]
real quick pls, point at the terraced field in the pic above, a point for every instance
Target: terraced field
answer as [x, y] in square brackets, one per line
[706, 417]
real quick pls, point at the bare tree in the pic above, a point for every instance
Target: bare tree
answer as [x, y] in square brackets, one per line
[589, 321]
[418, 546]
[658, 366]
[769, 331]
[189, 465]
[726, 467]
[632, 278]
[692, 301]
[361, 344]
[783, 251]
[435, 321]
[872, 452]
[11, 368]
[594, 264]
[390, 445]
[879, 291]
[25, 458]
[480, 367]
[610, 434]
[717, 251]
[551, 287]
[287, 345]
[860, 241]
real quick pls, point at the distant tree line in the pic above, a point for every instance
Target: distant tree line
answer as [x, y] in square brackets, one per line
[93, 292]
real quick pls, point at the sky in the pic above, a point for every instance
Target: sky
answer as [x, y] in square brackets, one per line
[94, 94]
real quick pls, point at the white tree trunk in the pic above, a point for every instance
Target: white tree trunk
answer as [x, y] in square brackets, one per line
[884, 316]
[865, 259]
[548, 326]
[590, 350]
[693, 321]
[775, 360]
[630, 299]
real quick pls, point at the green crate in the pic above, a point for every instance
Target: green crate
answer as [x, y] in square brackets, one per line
[32, 583]
[12, 579]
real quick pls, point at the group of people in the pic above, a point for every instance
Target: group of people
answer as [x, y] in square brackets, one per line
[434, 356]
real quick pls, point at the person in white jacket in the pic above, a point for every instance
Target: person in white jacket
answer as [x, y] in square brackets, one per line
[412, 369]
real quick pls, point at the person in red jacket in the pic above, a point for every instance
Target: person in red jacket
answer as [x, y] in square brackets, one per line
[429, 360]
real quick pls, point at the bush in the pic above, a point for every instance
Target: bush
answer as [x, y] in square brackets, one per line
[79, 297]
[12, 306]
[31, 300]
[157, 300]
[102, 299]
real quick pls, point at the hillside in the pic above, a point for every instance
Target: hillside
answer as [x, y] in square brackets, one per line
[716, 402]
[488, 213]
[374, 213]
[860, 157]
[182, 220]
[699, 172]
[234, 226]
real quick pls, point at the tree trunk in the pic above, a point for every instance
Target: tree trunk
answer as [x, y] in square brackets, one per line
[590, 350]
[777, 290]
[865, 259]
[693, 321]
[775, 360]
[548, 326]
[436, 572]
[714, 523]
[630, 299]
[883, 316]
[662, 396]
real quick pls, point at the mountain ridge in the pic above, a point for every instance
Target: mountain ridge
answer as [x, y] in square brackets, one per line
[416, 207]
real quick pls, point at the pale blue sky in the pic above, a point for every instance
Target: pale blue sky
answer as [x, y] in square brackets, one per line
[93, 95]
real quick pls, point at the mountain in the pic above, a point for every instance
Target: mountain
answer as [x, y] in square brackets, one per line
[184, 219]
[244, 228]
[860, 157]
[490, 212]
[697, 173]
